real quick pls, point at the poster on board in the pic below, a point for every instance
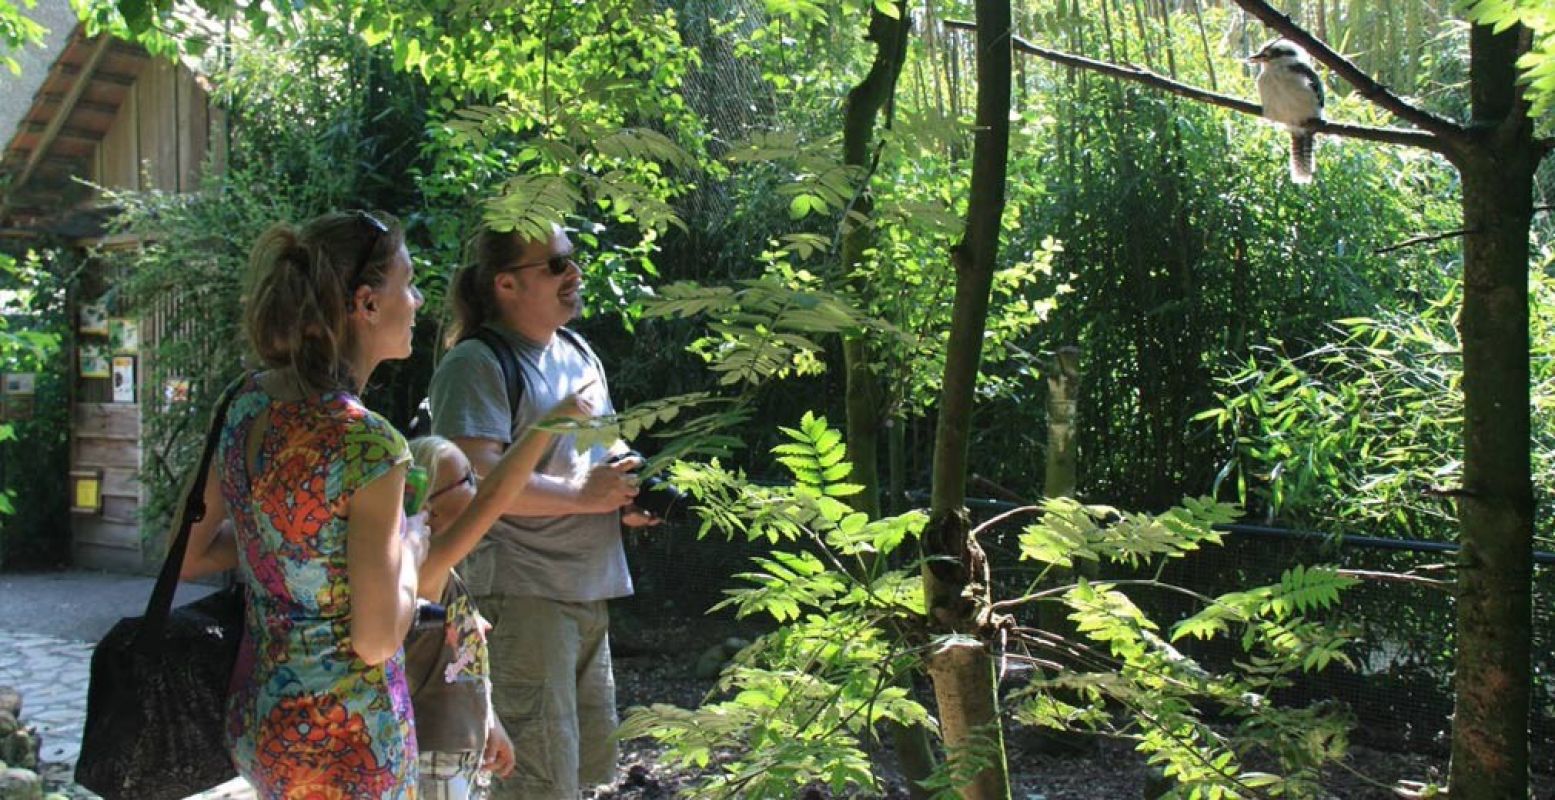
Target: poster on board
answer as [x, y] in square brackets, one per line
[20, 383]
[123, 379]
[176, 391]
[94, 319]
[17, 391]
[123, 336]
[94, 361]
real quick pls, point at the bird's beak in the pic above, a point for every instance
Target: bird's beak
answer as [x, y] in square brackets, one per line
[1257, 58]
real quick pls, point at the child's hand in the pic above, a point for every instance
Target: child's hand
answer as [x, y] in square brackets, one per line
[573, 406]
[498, 758]
[417, 539]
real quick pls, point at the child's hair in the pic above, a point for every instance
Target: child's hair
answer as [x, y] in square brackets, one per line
[427, 452]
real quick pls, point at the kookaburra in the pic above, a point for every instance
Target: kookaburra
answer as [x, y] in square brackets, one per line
[1292, 95]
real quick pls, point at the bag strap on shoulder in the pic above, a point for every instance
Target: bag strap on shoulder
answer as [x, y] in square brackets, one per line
[582, 346]
[512, 375]
[507, 360]
[192, 511]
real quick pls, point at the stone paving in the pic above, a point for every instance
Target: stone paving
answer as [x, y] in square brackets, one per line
[51, 675]
[51, 672]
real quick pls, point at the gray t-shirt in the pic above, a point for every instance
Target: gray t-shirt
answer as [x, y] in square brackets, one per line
[576, 558]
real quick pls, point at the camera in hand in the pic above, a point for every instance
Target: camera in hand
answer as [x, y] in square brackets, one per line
[656, 495]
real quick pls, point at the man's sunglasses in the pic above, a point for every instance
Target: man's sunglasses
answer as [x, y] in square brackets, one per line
[556, 265]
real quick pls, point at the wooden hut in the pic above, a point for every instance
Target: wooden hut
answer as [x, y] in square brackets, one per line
[106, 113]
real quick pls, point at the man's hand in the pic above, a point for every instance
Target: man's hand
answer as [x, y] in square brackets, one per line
[634, 517]
[609, 486]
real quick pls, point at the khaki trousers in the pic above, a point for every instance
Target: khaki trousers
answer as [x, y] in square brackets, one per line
[552, 687]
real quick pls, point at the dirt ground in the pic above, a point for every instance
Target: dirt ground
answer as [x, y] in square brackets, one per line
[656, 664]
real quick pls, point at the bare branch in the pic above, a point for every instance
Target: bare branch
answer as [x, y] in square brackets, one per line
[1346, 69]
[1436, 237]
[1402, 136]
[1430, 237]
[1002, 517]
[1398, 577]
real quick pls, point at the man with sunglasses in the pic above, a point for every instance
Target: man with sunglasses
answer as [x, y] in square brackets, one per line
[544, 573]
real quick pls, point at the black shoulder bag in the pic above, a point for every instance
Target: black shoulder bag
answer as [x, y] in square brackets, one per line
[156, 704]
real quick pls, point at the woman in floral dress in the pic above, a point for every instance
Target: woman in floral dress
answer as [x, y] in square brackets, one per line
[311, 482]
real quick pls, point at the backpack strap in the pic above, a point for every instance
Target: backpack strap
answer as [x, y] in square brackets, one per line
[507, 360]
[577, 342]
[512, 376]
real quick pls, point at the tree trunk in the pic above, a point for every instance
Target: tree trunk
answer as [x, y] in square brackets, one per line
[863, 401]
[1060, 478]
[896, 462]
[1495, 505]
[956, 574]
[865, 397]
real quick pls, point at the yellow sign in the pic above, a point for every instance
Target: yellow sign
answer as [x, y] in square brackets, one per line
[86, 491]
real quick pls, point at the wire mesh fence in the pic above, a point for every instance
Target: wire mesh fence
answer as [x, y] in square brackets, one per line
[1399, 690]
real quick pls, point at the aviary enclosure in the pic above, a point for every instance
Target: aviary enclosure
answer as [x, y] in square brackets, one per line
[1043, 438]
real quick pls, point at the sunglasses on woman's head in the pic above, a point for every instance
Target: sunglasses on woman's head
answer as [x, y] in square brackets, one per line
[556, 265]
[375, 231]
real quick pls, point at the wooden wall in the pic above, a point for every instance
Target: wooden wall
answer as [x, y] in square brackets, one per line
[106, 436]
[164, 130]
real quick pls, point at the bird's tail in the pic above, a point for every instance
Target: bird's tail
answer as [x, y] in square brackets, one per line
[1302, 163]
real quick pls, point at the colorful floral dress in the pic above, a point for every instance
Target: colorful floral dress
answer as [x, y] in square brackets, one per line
[306, 717]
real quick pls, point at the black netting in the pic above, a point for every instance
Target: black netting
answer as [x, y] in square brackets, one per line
[1401, 689]
[1400, 693]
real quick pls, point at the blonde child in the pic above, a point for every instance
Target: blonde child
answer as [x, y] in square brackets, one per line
[461, 740]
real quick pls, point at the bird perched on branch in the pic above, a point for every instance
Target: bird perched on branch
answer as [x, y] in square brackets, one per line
[1292, 95]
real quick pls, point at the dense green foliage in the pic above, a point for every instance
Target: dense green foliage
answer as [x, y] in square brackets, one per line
[801, 703]
[16, 31]
[33, 328]
[1184, 243]
[1160, 255]
[1168, 243]
[1361, 433]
